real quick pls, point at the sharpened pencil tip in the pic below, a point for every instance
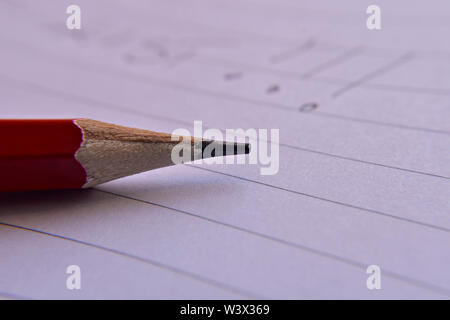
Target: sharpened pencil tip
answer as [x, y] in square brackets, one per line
[222, 148]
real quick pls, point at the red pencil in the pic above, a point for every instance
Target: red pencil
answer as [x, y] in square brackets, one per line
[80, 153]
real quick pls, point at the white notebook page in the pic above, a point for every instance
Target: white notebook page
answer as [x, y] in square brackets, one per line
[363, 177]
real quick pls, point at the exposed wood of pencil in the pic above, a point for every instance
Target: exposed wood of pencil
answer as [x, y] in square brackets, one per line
[110, 151]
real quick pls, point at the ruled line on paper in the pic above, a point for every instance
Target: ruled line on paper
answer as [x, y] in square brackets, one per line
[348, 205]
[383, 87]
[409, 89]
[152, 262]
[378, 123]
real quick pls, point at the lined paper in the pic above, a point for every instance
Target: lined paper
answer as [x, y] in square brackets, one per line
[364, 173]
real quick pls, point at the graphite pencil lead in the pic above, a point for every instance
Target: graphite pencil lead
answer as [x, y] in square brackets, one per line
[212, 148]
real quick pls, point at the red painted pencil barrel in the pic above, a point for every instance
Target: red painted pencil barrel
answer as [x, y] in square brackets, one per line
[40, 155]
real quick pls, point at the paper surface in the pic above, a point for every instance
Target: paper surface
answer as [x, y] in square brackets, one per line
[363, 178]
